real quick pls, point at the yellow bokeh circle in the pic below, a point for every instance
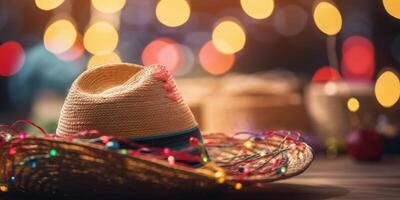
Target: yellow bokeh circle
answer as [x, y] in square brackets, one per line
[100, 38]
[228, 37]
[173, 13]
[392, 7]
[353, 104]
[257, 9]
[108, 6]
[327, 18]
[48, 4]
[60, 36]
[387, 89]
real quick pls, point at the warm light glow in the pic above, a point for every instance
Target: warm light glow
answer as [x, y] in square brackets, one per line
[213, 61]
[229, 37]
[97, 60]
[358, 59]
[326, 73]
[327, 18]
[74, 53]
[387, 89]
[258, 9]
[101, 38]
[12, 58]
[392, 7]
[108, 6]
[173, 13]
[353, 104]
[60, 36]
[163, 51]
[48, 4]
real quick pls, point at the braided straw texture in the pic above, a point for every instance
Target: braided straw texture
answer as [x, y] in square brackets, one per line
[125, 100]
[82, 168]
[86, 168]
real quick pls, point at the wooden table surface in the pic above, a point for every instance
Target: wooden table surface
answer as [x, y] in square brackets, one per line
[340, 178]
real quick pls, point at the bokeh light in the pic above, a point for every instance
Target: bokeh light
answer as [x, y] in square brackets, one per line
[187, 61]
[75, 52]
[387, 89]
[163, 51]
[327, 18]
[358, 59]
[108, 6]
[228, 37]
[353, 104]
[325, 74]
[48, 4]
[258, 9]
[173, 13]
[392, 7]
[97, 60]
[290, 20]
[213, 61]
[12, 58]
[60, 36]
[100, 38]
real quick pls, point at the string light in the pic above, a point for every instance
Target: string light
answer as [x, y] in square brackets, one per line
[248, 144]
[12, 58]
[171, 160]
[213, 61]
[100, 38]
[173, 13]
[108, 6]
[387, 89]
[228, 37]
[97, 60]
[193, 141]
[262, 160]
[257, 9]
[353, 104]
[327, 18]
[48, 4]
[3, 188]
[238, 186]
[53, 153]
[392, 7]
[60, 36]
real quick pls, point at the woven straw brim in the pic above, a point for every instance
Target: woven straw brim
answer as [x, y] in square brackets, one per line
[86, 168]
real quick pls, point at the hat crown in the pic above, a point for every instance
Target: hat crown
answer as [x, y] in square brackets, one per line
[125, 100]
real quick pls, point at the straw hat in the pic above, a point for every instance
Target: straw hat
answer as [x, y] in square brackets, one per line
[124, 129]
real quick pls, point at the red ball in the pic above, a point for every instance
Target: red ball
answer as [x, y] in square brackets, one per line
[365, 145]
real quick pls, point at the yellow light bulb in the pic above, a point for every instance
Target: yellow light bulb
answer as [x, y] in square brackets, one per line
[100, 38]
[60, 36]
[97, 60]
[48, 4]
[392, 7]
[248, 144]
[258, 9]
[238, 186]
[108, 6]
[387, 89]
[173, 13]
[327, 18]
[228, 37]
[3, 188]
[353, 104]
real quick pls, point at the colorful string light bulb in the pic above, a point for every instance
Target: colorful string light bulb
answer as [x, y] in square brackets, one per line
[53, 153]
[193, 141]
[171, 160]
[4, 188]
[238, 186]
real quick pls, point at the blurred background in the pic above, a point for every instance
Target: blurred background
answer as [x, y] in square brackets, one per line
[326, 68]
